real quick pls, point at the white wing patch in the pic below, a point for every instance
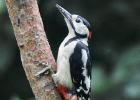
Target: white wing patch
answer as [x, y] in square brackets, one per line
[87, 79]
[84, 57]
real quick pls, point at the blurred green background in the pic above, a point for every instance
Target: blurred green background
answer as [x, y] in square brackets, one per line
[115, 47]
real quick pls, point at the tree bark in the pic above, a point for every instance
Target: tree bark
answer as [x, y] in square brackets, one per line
[34, 47]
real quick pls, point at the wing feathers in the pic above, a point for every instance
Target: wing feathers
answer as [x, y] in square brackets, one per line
[80, 67]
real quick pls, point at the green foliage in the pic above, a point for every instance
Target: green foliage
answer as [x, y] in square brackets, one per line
[126, 76]
[16, 97]
[2, 6]
[129, 62]
[5, 57]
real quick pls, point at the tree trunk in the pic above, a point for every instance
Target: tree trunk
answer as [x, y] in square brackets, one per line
[34, 48]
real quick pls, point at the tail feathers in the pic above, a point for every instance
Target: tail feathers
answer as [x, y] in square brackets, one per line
[82, 95]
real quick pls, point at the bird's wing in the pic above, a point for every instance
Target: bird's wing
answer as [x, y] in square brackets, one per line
[80, 67]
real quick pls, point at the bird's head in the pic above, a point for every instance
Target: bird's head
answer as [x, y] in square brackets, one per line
[76, 24]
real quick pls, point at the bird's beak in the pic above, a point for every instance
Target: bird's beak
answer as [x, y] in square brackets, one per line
[64, 12]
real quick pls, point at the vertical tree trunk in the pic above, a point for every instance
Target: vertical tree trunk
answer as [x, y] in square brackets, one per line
[34, 47]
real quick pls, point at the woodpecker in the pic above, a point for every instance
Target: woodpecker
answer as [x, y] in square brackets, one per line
[74, 61]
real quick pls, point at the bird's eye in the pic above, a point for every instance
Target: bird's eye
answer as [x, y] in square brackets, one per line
[78, 20]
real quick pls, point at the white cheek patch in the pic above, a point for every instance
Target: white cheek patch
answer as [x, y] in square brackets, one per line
[80, 28]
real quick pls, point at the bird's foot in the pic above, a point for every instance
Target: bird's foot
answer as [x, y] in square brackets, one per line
[61, 89]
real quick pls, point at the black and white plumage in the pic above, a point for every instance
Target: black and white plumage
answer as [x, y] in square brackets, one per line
[73, 61]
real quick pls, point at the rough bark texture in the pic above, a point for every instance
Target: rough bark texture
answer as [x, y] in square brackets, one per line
[33, 45]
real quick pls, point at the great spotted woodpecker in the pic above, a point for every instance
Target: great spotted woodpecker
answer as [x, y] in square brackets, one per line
[74, 61]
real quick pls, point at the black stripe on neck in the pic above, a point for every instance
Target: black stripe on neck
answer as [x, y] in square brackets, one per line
[70, 40]
[81, 35]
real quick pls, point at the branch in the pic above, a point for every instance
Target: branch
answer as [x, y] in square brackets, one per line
[34, 48]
